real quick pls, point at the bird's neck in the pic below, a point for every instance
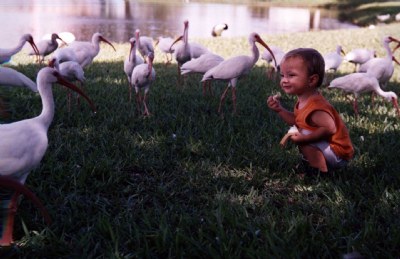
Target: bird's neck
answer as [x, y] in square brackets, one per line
[133, 55]
[389, 53]
[18, 47]
[47, 107]
[255, 52]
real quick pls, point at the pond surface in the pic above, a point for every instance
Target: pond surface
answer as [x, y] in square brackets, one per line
[118, 19]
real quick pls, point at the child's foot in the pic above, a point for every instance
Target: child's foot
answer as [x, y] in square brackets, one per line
[303, 169]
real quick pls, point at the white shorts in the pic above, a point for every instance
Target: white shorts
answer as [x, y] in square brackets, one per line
[332, 160]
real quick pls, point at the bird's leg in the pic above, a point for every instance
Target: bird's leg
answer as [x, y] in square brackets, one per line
[210, 88]
[168, 59]
[138, 101]
[223, 98]
[69, 100]
[204, 88]
[3, 112]
[355, 106]
[234, 99]
[372, 98]
[130, 91]
[179, 75]
[78, 100]
[8, 209]
[270, 71]
[146, 110]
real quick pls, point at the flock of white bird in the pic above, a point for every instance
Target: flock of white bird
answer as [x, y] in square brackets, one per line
[24, 143]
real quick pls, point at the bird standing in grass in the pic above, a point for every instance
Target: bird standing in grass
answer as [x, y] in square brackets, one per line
[358, 83]
[186, 51]
[201, 65]
[381, 68]
[359, 56]
[24, 143]
[72, 71]
[144, 44]
[164, 44]
[333, 60]
[46, 47]
[143, 76]
[278, 53]
[82, 52]
[234, 68]
[131, 61]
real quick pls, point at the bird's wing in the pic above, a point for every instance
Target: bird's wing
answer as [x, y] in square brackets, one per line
[22, 146]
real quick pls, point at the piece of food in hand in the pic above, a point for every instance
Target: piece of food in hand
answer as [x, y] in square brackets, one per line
[292, 130]
[276, 96]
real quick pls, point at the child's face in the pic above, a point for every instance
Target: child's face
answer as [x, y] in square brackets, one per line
[294, 76]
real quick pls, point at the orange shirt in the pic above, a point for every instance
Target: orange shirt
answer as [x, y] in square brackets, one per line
[340, 142]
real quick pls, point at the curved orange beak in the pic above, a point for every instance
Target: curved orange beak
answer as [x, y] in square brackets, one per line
[259, 40]
[106, 41]
[34, 47]
[177, 39]
[61, 80]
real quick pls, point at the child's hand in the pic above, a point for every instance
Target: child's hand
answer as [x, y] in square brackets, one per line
[274, 103]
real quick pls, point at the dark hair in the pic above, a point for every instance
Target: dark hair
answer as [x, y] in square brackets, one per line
[313, 59]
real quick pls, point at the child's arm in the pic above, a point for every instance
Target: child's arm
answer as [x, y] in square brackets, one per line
[275, 105]
[326, 127]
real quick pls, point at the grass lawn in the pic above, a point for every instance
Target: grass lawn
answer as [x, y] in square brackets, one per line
[188, 183]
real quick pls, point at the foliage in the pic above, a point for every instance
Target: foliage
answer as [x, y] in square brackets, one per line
[188, 183]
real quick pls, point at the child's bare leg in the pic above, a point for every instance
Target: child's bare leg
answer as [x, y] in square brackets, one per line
[314, 157]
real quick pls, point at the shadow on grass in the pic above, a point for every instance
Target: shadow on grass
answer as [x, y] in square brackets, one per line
[187, 182]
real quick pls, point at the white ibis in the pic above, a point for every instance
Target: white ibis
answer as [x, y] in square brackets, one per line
[46, 47]
[71, 71]
[233, 68]
[11, 77]
[130, 62]
[278, 53]
[332, 62]
[68, 37]
[24, 143]
[334, 59]
[164, 44]
[359, 56]
[381, 68]
[82, 52]
[6, 54]
[358, 83]
[201, 65]
[186, 51]
[144, 44]
[142, 77]
[218, 29]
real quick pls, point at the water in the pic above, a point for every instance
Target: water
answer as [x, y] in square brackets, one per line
[118, 19]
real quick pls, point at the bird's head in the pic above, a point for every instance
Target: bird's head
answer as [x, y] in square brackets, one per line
[133, 44]
[55, 36]
[150, 58]
[53, 63]
[391, 96]
[28, 38]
